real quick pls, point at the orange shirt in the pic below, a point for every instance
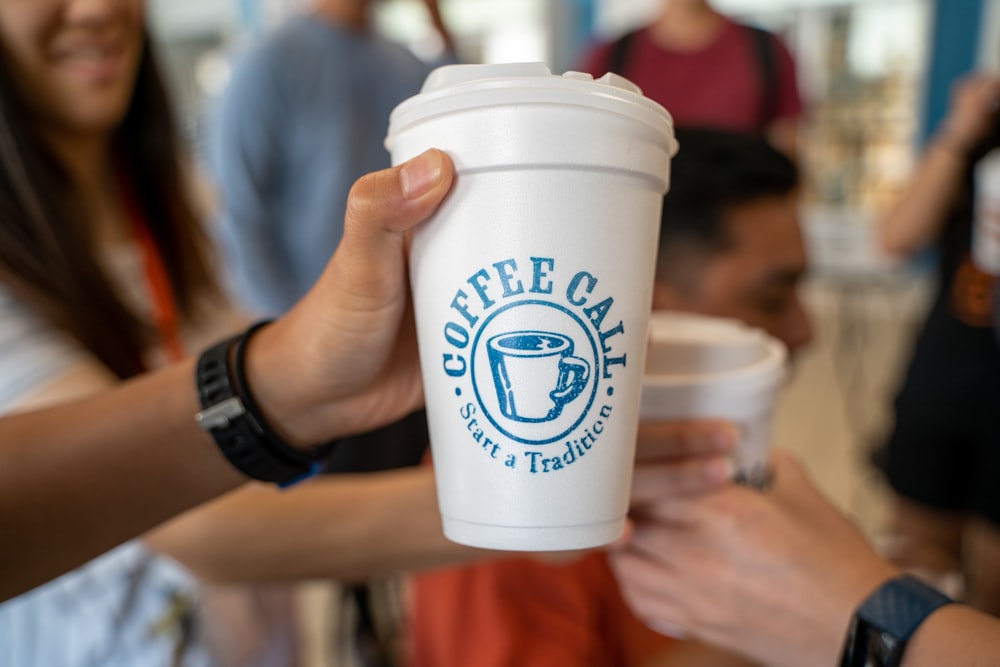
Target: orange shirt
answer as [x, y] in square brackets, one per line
[526, 613]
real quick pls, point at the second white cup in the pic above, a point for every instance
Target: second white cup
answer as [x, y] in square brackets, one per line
[714, 368]
[986, 226]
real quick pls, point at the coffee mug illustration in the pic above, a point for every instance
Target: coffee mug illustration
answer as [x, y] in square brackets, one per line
[535, 374]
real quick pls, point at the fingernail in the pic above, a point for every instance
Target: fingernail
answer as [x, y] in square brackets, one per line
[420, 174]
[724, 438]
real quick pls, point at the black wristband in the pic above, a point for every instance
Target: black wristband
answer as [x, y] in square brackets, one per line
[886, 620]
[231, 415]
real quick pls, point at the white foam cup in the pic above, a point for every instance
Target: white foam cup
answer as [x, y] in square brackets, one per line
[531, 288]
[986, 218]
[707, 367]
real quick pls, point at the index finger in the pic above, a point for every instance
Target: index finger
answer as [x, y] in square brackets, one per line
[673, 439]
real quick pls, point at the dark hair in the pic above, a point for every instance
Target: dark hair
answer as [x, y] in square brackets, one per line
[47, 253]
[714, 172]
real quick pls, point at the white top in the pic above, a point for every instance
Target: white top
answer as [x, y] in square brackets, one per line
[31, 353]
[118, 610]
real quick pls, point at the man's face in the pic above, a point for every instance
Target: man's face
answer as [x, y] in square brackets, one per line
[756, 277]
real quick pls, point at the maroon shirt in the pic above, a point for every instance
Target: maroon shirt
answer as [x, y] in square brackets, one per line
[719, 86]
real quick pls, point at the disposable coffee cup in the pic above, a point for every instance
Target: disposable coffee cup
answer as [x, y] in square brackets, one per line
[531, 288]
[986, 217]
[715, 368]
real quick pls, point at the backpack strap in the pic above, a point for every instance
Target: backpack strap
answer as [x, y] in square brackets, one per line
[763, 45]
[619, 53]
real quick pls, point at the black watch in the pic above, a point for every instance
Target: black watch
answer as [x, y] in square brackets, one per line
[230, 414]
[886, 620]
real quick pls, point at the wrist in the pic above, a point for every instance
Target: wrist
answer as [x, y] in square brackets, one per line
[283, 391]
[847, 595]
[886, 620]
[231, 413]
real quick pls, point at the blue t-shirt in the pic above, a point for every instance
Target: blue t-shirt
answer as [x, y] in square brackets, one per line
[304, 116]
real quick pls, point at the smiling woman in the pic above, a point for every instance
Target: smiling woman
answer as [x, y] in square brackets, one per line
[74, 64]
[103, 270]
[84, 113]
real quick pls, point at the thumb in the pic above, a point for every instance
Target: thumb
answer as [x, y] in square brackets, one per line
[383, 205]
[367, 272]
[394, 200]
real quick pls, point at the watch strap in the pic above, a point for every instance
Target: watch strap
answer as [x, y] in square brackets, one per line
[230, 414]
[885, 621]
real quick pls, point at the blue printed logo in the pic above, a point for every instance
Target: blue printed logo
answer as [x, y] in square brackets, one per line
[534, 386]
[533, 361]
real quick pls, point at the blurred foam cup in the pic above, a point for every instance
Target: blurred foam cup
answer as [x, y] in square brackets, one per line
[531, 289]
[986, 216]
[716, 368]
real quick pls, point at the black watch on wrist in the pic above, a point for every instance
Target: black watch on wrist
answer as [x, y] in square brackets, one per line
[230, 414]
[886, 620]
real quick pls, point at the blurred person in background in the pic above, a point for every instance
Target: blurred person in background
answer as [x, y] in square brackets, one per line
[304, 116]
[105, 273]
[709, 71]
[942, 457]
[730, 246]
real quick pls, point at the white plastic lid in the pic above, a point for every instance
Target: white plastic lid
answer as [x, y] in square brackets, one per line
[452, 75]
[672, 326]
[454, 88]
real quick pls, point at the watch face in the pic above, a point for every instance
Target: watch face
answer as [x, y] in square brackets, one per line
[886, 619]
[880, 648]
[869, 646]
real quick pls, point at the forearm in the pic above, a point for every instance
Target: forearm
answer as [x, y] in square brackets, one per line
[955, 635]
[82, 477]
[85, 476]
[684, 654]
[345, 527]
[921, 209]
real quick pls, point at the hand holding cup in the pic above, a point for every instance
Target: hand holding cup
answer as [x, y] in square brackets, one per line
[531, 289]
[708, 367]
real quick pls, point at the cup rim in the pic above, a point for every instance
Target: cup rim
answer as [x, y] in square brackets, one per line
[542, 87]
[772, 363]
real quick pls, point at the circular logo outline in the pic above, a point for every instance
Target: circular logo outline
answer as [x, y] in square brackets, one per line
[596, 373]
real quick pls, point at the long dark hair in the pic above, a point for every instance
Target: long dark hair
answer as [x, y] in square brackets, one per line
[47, 255]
